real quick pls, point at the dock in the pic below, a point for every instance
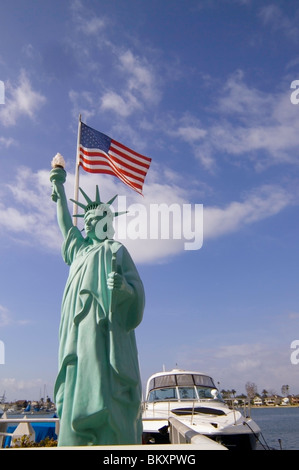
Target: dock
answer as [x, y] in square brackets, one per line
[182, 438]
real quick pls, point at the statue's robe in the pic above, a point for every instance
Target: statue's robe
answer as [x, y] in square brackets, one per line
[98, 387]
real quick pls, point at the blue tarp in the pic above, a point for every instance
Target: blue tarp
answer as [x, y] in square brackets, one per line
[42, 430]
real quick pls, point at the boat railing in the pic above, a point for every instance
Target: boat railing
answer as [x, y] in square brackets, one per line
[152, 410]
[23, 426]
[179, 433]
[145, 404]
[150, 407]
[244, 406]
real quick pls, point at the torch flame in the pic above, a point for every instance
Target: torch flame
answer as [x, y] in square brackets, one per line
[58, 160]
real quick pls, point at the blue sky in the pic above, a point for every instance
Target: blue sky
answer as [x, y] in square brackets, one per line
[201, 87]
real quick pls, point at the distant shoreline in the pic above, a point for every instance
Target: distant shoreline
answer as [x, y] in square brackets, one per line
[274, 406]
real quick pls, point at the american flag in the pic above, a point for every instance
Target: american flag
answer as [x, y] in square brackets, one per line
[98, 153]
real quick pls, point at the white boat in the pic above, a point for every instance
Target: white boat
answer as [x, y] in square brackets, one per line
[193, 399]
[2, 404]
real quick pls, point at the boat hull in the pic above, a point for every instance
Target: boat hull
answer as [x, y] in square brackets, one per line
[192, 400]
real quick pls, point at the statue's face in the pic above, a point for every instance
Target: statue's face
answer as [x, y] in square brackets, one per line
[98, 223]
[91, 219]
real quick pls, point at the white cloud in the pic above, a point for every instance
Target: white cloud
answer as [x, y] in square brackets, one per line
[84, 103]
[239, 99]
[191, 133]
[93, 26]
[266, 364]
[121, 105]
[249, 125]
[189, 129]
[20, 100]
[273, 16]
[6, 318]
[141, 78]
[21, 388]
[86, 22]
[7, 142]
[30, 216]
[137, 89]
[138, 85]
[258, 205]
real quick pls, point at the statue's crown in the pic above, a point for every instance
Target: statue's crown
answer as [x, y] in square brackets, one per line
[94, 204]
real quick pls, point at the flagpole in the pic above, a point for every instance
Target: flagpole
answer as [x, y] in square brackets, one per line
[76, 187]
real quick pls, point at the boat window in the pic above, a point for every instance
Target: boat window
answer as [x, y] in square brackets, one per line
[151, 384]
[163, 394]
[185, 379]
[208, 393]
[162, 381]
[187, 393]
[204, 380]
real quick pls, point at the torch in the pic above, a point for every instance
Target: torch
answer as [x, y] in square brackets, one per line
[58, 173]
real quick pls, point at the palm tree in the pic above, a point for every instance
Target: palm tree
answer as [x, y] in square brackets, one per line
[285, 390]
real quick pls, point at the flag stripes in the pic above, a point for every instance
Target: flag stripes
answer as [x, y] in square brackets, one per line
[99, 153]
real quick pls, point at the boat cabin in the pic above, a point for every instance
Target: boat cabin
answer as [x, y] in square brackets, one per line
[181, 385]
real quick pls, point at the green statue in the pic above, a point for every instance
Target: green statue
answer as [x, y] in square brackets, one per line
[98, 388]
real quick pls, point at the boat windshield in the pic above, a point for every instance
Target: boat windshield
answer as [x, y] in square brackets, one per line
[184, 393]
[182, 387]
[208, 393]
[171, 380]
[187, 393]
[161, 394]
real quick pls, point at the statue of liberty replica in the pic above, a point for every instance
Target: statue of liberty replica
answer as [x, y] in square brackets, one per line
[98, 388]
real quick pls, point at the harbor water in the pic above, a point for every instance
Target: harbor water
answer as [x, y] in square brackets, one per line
[278, 423]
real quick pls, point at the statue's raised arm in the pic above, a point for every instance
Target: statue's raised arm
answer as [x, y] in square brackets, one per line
[58, 177]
